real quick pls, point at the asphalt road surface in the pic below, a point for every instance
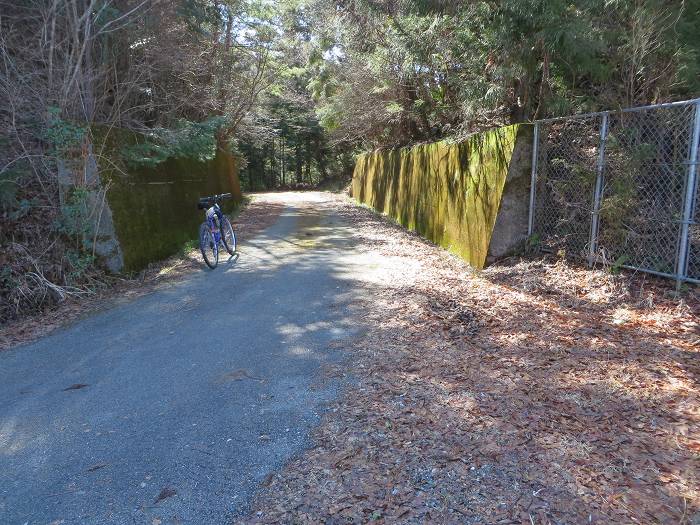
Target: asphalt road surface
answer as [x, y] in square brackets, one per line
[174, 407]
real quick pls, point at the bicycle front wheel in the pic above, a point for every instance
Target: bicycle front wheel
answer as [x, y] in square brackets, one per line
[228, 236]
[209, 249]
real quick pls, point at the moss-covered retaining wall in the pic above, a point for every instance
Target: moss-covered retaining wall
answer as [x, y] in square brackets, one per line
[470, 197]
[155, 209]
[150, 211]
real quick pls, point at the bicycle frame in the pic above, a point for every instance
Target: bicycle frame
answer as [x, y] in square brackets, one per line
[214, 219]
[212, 235]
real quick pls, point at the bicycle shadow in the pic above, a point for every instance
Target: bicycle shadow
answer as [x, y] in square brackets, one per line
[232, 259]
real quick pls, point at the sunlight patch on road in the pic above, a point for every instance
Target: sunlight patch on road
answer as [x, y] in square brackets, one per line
[11, 439]
[299, 350]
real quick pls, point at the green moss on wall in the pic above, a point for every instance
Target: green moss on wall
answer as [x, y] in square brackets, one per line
[154, 209]
[448, 192]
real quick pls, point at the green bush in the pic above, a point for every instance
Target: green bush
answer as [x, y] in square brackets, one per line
[74, 221]
[188, 140]
[62, 135]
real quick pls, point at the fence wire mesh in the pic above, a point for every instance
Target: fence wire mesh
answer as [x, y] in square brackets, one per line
[565, 182]
[621, 188]
[693, 271]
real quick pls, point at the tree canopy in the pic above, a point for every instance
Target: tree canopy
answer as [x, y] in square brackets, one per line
[296, 88]
[395, 72]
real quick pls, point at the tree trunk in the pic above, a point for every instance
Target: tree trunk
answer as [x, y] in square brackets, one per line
[299, 163]
[321, 160]
[225, 80]
[284, 178]
[273, 168]
[307, 158]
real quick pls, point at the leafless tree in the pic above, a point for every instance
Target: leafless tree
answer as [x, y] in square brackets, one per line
[70, 67]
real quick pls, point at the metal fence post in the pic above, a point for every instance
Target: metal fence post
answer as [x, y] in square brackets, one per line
[533, 179]
[682, 267]
[598, 193]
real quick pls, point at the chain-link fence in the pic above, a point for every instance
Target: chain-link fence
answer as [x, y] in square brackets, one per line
[621, 188]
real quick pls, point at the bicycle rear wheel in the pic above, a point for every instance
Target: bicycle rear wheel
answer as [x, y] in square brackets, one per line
[228, 236]
[209, 249]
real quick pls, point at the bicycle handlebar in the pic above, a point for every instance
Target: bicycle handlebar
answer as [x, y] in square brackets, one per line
[207, 202]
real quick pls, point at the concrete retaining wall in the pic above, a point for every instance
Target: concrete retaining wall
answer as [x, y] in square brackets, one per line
[149, 213]
[470, 197]
[154, 210]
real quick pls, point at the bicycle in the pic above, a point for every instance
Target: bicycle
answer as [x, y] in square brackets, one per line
[216, 230]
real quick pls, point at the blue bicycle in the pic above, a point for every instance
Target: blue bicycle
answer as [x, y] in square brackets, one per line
[216, 230]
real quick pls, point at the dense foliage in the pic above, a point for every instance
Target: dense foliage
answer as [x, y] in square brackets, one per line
[396, 72]
[295, 87]
[184, 74]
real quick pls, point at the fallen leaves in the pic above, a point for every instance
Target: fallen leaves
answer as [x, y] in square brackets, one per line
[76, 386]
[165, 493]
[508, 396]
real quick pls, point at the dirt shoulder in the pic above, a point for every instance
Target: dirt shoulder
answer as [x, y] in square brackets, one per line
[260, 212]
[531, 392]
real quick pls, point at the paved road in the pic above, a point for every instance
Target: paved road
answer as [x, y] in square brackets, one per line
[194, 393]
